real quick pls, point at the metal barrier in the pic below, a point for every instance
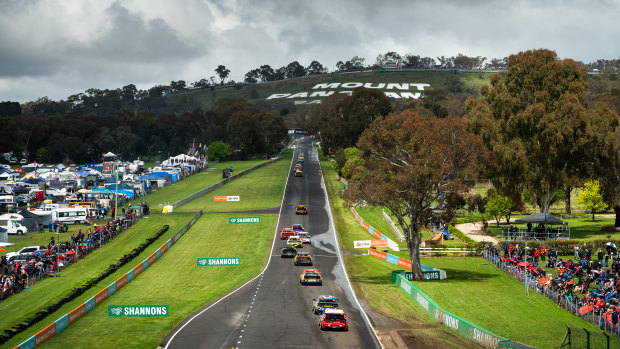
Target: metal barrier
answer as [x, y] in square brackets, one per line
[393, 226]
[582, 338]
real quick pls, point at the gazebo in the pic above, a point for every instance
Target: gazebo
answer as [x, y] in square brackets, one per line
[541, 230]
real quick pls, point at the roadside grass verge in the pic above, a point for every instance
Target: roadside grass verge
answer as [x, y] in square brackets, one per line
[175, 280]
[193, 183]
[262, 188]
[26, 303]
[371, 278]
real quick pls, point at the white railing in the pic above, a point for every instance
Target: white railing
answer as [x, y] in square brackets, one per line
[395, 229]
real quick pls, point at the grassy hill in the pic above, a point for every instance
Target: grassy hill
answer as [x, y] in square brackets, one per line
[259, 93]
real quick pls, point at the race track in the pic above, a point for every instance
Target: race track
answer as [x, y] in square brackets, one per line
[274, 310]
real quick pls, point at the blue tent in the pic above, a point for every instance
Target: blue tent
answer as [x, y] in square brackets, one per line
[150, 177]
[120, 186]
[129, 194]
[102, 191]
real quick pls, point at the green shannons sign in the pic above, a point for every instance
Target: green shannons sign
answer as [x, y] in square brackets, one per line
[137, 310]
[216, 262]
[428, 275]
[233, 220]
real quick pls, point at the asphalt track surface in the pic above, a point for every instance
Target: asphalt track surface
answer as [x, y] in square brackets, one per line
[274, 310]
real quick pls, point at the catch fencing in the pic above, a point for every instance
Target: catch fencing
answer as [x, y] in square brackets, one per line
[558, 295]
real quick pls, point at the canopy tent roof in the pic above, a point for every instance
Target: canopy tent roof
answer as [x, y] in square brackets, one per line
[544, 218]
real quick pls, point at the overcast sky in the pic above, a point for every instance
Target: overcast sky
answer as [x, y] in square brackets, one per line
[58, 48]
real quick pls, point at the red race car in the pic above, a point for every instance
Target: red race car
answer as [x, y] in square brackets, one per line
[334, 319]
[286, 233]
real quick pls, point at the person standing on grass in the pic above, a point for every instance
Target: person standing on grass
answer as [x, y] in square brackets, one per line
[576, 251]
[600, 255]
[543, 253]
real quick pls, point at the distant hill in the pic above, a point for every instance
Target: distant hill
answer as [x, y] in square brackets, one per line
[300, 94]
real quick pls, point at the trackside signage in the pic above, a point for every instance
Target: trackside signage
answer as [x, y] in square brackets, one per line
[137, 310]
[216, 262]
[370, 243]
[407, 90]
[428, 275]
[226, 198]
[233, 220]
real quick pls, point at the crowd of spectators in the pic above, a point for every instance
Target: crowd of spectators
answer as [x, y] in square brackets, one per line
[24, 270]
[587, 287]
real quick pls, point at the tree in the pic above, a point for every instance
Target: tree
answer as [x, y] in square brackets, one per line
[536, 120]
[499, 206]
[591, 197]
[10, 108]
[252, 76]
[177, 86]
[295, 70]
[411, 162]
[219, 151]
[315, 68]
[202, 83]
[222, 72]
[266, 73]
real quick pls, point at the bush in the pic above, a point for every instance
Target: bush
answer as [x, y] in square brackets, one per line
[474, 218]
[459, 234]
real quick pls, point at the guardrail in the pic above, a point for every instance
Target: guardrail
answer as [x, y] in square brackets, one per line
[64, 321]
[220, 183]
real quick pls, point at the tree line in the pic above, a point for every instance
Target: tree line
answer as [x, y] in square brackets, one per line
[535, 131]
[82, 138]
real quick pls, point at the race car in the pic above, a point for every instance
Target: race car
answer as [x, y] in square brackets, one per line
[311, 277]
[303, 258]
[304, 236]
[294, 241]
[324, 302]
[334, 319]
[286, 233]
[299, 173]
[288, 252]
[297, 228]
[301, 209]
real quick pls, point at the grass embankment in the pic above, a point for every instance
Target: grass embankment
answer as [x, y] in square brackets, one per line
[189, 290]
[261, 189]
[23, 305]
[175, 280]
[372, 279]
[192, 184]
[474, 290]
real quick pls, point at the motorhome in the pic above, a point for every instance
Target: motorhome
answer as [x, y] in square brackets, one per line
[70, 215]
[13, 227]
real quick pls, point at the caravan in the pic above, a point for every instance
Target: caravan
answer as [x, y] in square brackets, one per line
[70, 215]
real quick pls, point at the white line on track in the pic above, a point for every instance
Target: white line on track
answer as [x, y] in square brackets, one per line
[250, 281]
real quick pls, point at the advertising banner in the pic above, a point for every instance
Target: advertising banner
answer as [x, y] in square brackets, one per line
[219, 261]
[235, 220]
[361, 244]
[137, 310]
[226, 198]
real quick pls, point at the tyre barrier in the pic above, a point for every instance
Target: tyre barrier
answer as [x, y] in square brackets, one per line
[78, 291]
[65, 320]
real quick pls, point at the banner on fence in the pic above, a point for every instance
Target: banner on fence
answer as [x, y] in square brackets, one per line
[486, 338]
[369, 243]
[226, 198]
[405, 263]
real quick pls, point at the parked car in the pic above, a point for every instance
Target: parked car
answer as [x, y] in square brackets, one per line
[28, 250]
[333, 319]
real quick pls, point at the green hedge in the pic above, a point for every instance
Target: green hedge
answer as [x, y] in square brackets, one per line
[459, 234]
[474, 218]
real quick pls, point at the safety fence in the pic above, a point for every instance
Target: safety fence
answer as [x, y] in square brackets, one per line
[484, 337]
[393, 226]
[582, 338]
[374, 232]
[64, 321]
[558, 294]
[430, 273]
[220, 183]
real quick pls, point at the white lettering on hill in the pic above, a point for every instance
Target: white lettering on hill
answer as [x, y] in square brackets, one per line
[391, 90]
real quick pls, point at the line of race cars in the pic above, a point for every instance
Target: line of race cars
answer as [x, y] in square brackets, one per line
[326, 306]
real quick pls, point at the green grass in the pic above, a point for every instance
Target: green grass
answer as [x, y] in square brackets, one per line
[184, 292]
[475, 290]
[259, 189]
[497, 302]
[372, 280]
[192, 184]
[24, 304]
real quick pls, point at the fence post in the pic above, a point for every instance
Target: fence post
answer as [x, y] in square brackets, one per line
[607, 338]
[587, 338]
